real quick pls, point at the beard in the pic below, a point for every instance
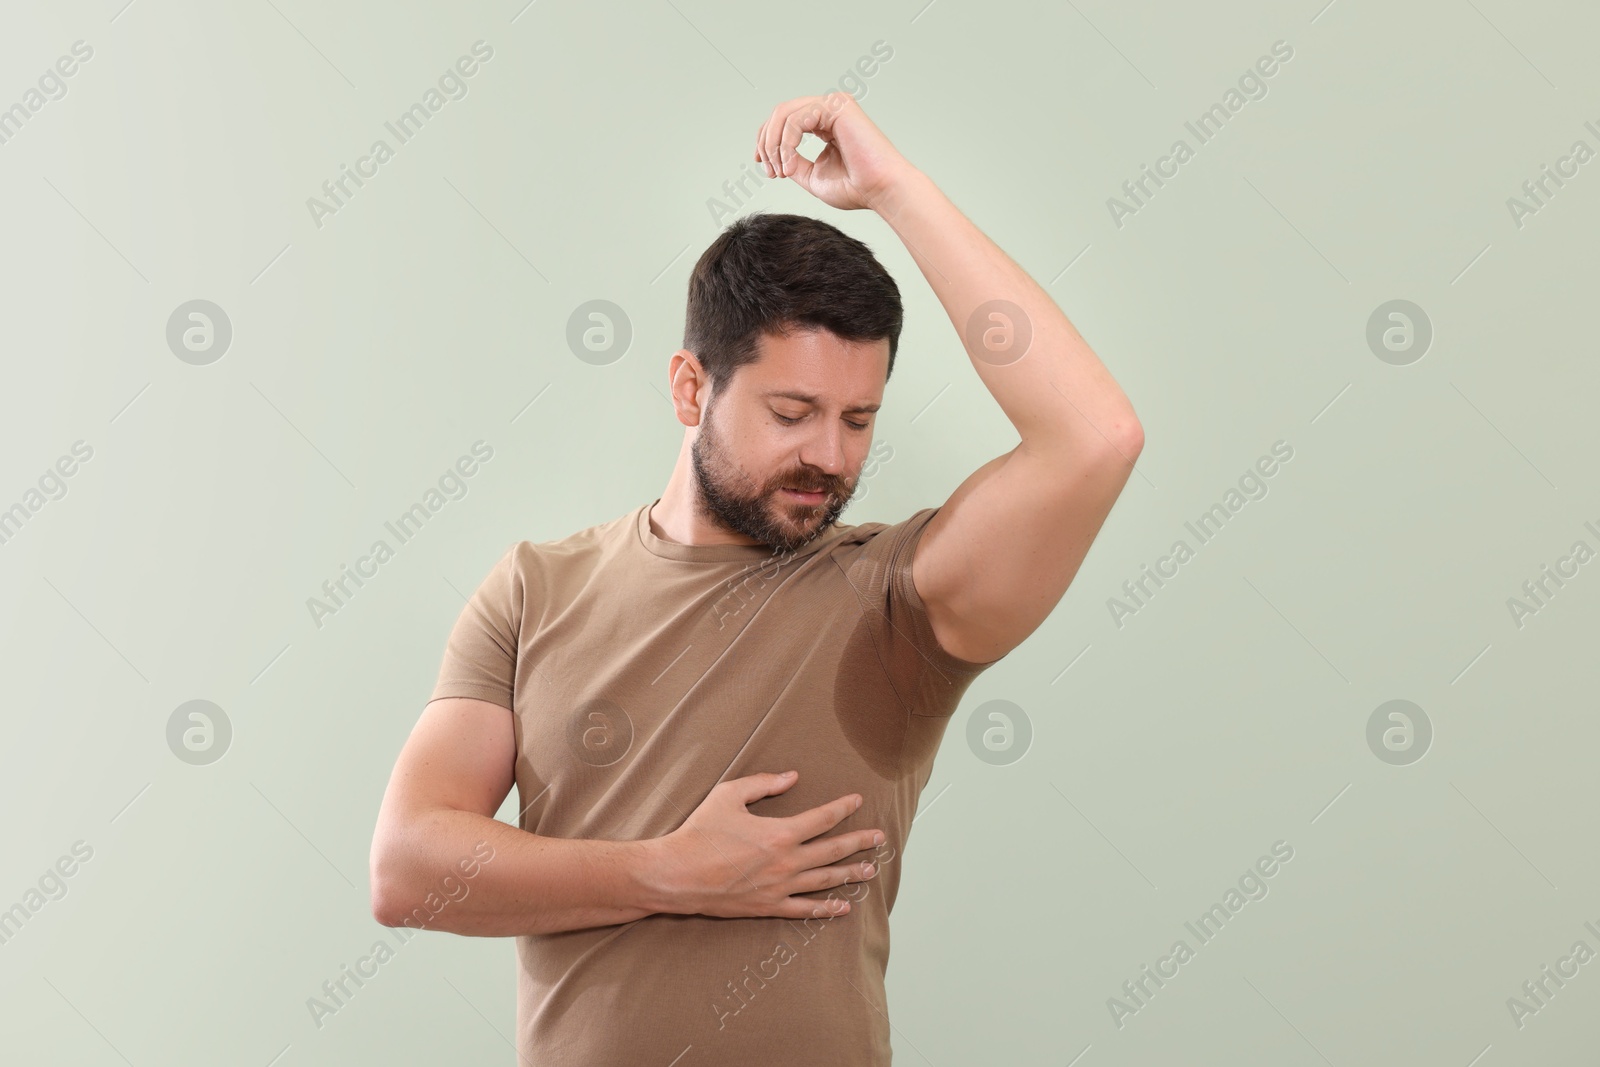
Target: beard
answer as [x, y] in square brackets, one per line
[734, 501]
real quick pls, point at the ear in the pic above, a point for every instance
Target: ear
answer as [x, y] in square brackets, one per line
[690, 387]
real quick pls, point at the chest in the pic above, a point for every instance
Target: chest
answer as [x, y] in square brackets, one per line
[632, 704]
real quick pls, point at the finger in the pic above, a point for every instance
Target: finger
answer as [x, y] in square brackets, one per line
[823, 817]
[806, 908]
[753, 787]
[773, 137]
[800, 167]
[819, 878]
[809, 118]
[832, 849]
[770, 134]
[761, 144]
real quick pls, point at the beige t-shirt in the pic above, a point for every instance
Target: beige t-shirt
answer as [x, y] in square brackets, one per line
[641, 672]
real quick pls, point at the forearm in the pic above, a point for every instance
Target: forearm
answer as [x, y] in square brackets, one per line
[528, 885]
[1058, 394]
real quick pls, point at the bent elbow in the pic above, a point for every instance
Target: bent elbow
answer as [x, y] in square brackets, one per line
[385, 892]
[383, 907]
[1130, 436]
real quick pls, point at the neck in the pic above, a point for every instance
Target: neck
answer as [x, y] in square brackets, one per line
[678, 516]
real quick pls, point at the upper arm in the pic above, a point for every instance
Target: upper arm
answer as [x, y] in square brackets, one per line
[1000, 553]
[461, 756]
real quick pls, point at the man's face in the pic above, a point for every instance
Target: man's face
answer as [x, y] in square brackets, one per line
[748, 454]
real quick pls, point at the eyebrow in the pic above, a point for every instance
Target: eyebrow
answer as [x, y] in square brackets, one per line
[807, 398]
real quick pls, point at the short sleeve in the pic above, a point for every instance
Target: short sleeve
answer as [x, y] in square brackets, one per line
[882, 579]
[480, 656]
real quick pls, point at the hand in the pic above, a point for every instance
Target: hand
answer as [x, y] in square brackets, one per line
[725, 862]
[858, 167]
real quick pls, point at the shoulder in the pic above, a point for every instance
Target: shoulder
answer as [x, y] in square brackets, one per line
[559, 567]
[881, 541]
[868, 532]
[598, 539]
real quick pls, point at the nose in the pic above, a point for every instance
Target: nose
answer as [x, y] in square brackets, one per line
[825, 452]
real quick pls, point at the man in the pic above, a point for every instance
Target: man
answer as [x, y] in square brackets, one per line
[676, 899]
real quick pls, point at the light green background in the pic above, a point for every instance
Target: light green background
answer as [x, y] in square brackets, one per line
[370, 353]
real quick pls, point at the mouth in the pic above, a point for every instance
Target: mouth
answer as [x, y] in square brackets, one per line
[804, 496]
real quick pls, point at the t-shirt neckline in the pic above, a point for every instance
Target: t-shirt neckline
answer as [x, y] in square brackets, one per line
[715, 553]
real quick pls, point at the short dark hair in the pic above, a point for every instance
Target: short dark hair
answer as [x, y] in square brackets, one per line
[770, 273]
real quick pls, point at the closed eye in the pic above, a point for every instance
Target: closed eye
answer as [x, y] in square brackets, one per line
[790, 422]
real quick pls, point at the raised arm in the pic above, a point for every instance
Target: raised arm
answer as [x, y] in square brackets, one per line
[1000, 553]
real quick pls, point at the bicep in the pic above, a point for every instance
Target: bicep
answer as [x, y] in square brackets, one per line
[461, 756]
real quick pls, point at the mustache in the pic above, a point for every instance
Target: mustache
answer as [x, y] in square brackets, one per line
[809, 485]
